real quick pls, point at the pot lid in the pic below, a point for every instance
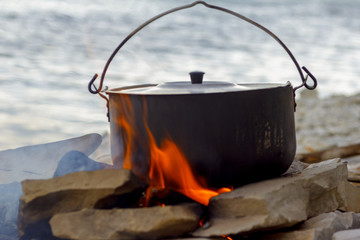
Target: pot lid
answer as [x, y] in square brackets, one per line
[195, 86]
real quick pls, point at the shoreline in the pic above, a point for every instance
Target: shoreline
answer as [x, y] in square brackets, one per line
[320, 122]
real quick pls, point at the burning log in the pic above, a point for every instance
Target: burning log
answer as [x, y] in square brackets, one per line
[144, 223]
[43, 198]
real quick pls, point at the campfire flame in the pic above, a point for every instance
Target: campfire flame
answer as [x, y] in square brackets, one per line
[227, 237]
[169, 167]
[128, 132]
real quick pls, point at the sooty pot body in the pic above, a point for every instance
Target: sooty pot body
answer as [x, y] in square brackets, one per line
[229, 139]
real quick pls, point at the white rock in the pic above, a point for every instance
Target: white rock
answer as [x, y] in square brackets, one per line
[103, 152]
[40, 161]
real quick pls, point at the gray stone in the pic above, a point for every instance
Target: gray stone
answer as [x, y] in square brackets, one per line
[310, 234]
[282, 202]
[296, 168]
[144, 223]
[321, 227]
[353, 234]
[40, 161]
[42, 199]
[349, 197]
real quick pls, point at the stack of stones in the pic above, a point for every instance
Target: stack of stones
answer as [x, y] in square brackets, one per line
[86, 199]
[309, 202]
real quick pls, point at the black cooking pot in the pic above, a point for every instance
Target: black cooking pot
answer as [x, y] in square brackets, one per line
[230, 134]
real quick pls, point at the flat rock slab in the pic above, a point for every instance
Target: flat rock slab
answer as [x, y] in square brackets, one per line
[134, 223]
[321, 227]
[40, 161]
[353, 234]
[42, 199]
[282, 202]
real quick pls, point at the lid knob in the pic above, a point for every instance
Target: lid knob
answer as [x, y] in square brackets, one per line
[196, 77]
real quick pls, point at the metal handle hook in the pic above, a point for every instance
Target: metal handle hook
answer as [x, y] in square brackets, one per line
[303, 79]
[91, 85]
[212, 7]
[312, 77]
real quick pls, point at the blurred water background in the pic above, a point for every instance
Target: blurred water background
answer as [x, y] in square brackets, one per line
[50, 49]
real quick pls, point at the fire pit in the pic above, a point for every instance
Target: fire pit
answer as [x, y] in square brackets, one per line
[181, 136]
[222, 133]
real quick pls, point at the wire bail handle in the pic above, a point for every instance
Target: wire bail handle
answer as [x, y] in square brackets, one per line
[98, 90]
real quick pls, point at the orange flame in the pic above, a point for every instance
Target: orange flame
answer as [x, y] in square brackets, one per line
[126, 122]
[227, 237]
[169, 167]
[128, 136]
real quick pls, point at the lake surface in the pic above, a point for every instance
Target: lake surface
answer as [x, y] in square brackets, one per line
[50, 49]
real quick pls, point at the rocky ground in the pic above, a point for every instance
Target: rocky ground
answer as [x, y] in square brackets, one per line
[326, 123]
[324, 127]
